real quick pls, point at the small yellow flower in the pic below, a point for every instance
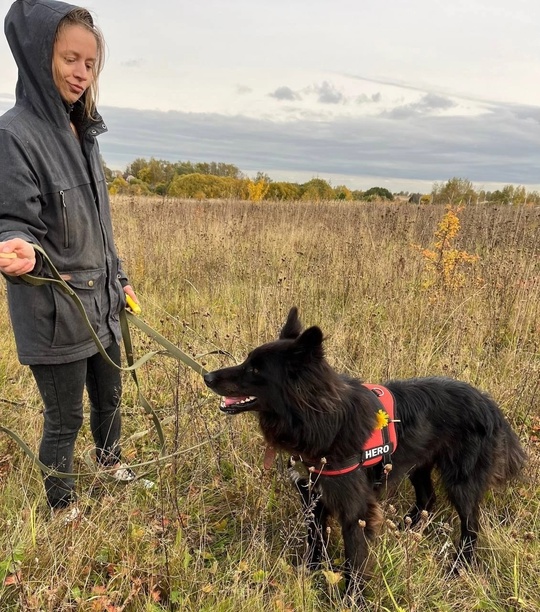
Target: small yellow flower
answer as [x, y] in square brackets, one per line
[382, 419]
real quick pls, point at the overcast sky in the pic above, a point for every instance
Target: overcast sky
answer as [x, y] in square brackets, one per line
[390, 93]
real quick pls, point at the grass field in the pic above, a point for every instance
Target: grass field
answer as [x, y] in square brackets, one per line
[218, 532]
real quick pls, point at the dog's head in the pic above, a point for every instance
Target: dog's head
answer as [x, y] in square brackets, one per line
[263, 380]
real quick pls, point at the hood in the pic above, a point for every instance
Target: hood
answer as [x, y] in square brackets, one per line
[30, 28]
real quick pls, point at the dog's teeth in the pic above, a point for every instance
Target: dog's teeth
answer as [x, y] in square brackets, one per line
[236, 401]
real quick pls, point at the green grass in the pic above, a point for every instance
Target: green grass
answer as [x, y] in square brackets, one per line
[218, 532]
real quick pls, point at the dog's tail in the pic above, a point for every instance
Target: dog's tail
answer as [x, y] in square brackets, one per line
[509, 456]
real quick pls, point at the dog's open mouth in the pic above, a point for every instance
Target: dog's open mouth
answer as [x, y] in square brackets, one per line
[234, 405]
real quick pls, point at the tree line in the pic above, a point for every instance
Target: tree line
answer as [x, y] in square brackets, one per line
[216, 180]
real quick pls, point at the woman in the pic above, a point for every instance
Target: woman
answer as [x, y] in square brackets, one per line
[53, 194]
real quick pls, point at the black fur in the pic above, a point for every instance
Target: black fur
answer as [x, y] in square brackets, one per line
[305, 408]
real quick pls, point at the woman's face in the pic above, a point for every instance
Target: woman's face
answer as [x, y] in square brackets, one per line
[74, 56]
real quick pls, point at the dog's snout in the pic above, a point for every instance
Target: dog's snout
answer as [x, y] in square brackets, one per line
[209, 378]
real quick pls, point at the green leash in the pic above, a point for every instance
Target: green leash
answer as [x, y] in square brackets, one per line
[125, 318]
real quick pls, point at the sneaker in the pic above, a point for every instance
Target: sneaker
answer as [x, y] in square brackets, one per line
[69, 515]
[147, 484]
[122, 473]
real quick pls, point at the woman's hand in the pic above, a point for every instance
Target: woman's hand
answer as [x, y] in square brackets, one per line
[134, 305]
[17, 257]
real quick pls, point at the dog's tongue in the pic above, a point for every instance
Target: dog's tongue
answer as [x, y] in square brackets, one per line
[269, 456]
[229, 401]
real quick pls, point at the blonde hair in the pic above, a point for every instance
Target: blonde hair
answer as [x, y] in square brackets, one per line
[82, 17]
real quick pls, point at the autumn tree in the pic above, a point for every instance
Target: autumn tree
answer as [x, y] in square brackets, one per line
[342, 193]
[155, 172]
[317, 190]
[508, 195]
[119, 185]
[455, 192]
[377, 193]
[283, 191]
[262, 176]
[207, 186]
[216, 169]
[135, 167]
[257, 189]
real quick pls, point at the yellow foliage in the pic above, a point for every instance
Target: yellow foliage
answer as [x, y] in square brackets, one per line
[445, 261]
[332, 578]
[257, 190]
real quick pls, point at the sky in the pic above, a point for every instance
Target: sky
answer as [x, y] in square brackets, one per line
[391, 93]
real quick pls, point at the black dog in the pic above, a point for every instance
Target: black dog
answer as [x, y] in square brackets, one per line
[326, 419]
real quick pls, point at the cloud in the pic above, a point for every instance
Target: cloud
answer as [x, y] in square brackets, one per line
[243, 90]
[133, 63]
[328, 93]
[365, 99]
[429, 103]
[500, 146]
[285, 93]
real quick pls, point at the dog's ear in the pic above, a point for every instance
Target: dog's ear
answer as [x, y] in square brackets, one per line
[292, 328]
[310, 343]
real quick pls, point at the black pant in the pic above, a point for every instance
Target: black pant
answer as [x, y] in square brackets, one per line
[61, 387]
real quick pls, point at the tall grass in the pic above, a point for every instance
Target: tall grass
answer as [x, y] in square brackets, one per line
[218, 532]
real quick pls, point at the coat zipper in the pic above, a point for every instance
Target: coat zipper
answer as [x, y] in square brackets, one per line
[65, 218]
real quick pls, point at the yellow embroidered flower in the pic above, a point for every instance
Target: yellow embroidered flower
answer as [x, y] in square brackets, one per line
[382, 419]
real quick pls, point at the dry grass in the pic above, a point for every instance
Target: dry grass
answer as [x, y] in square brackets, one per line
[219, 533]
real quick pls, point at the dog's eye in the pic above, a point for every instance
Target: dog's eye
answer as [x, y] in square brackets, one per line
[252, 370]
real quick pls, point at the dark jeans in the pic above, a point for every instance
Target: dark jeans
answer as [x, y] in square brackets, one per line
[61, 387]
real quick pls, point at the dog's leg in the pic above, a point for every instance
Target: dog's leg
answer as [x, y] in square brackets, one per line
[466, 497]
[359, 527]
[425, 494]
[317, 534]
[316, 515]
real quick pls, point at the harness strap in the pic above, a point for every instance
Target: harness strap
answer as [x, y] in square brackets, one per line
[383, 441]
[387, 455]
[322, 468]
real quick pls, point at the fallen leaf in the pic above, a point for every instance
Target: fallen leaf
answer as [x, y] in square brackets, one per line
[98, 589]
[332, 578]
[13, 579]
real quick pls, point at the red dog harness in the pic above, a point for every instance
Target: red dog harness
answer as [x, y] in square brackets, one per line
[379, 447]
[383, 441]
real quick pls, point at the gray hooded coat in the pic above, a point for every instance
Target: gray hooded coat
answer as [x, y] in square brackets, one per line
[53, 193]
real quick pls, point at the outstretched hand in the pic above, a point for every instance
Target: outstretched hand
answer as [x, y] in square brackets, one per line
[17, 257]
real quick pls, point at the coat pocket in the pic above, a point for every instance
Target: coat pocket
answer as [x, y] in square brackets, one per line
[70, 327]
